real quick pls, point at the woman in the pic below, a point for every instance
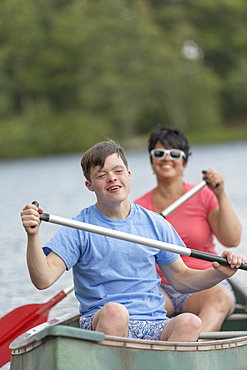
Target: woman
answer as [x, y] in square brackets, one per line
[204, 215]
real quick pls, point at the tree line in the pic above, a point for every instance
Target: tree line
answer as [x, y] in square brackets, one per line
[73, 72]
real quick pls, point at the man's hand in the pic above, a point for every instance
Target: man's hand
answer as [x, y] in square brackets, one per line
[234, 261]
[31, 219]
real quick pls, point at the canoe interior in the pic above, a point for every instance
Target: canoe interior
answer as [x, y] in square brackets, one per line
[240, 313]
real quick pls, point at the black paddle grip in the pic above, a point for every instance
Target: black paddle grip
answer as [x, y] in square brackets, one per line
[213, 258]
[36, 204]
[204, 171]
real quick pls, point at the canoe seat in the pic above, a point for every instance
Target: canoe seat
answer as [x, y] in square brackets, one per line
[237, 316]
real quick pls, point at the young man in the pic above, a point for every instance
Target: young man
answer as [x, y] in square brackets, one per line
[116, 281]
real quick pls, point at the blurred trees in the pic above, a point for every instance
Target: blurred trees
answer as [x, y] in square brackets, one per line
[73, 72]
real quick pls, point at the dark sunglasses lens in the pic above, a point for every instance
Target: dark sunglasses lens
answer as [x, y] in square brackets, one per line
[175, 154]
[158, 153]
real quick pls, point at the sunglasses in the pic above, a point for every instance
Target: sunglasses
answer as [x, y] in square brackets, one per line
[173, 153]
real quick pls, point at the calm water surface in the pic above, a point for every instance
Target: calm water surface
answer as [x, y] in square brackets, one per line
[58, 184]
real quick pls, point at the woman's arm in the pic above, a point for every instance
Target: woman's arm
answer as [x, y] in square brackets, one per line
[223, 220]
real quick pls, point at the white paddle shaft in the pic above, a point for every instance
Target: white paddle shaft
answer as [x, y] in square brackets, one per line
[135, 239]
[183, 199]
[115, 234]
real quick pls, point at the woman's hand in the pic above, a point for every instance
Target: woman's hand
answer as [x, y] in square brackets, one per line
[215, 180]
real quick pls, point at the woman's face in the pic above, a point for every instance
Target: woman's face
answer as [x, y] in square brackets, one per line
[168, 168]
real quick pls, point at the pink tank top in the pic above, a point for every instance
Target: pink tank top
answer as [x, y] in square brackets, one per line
[190, 221]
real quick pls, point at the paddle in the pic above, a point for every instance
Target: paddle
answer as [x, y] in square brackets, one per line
[171, 208]
[22, 319]
[135, 239]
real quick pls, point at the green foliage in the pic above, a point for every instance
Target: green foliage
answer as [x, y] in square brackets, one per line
[45, 133]
[73, 72]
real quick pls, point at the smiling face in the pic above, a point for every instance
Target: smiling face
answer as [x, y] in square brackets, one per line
[166, 168]
[111, 183]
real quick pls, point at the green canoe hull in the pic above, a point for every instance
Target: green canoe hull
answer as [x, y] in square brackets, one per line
[63, 348]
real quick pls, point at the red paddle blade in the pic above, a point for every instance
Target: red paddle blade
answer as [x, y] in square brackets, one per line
[22, 319]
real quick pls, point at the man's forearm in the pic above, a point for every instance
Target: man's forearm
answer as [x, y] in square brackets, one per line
[37, 263]
[197, 280]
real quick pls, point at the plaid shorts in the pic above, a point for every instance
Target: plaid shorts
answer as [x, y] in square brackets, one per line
[138, 329]
[178, 300]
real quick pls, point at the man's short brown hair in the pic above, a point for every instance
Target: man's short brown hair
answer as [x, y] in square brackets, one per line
[96, 156]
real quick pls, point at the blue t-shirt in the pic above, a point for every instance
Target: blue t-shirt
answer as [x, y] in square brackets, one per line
[106, 269]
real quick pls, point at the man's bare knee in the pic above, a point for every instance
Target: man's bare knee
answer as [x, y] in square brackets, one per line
[112, 319]
[185, 327]
[114, 311]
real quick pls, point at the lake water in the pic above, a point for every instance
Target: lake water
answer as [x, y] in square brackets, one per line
[58, 184]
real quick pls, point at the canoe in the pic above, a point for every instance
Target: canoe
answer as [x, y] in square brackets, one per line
[60, 344]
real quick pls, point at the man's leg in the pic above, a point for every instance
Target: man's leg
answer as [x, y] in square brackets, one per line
[112, 319]
[185, 327]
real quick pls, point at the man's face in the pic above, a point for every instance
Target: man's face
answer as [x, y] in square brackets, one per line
[111, 183]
